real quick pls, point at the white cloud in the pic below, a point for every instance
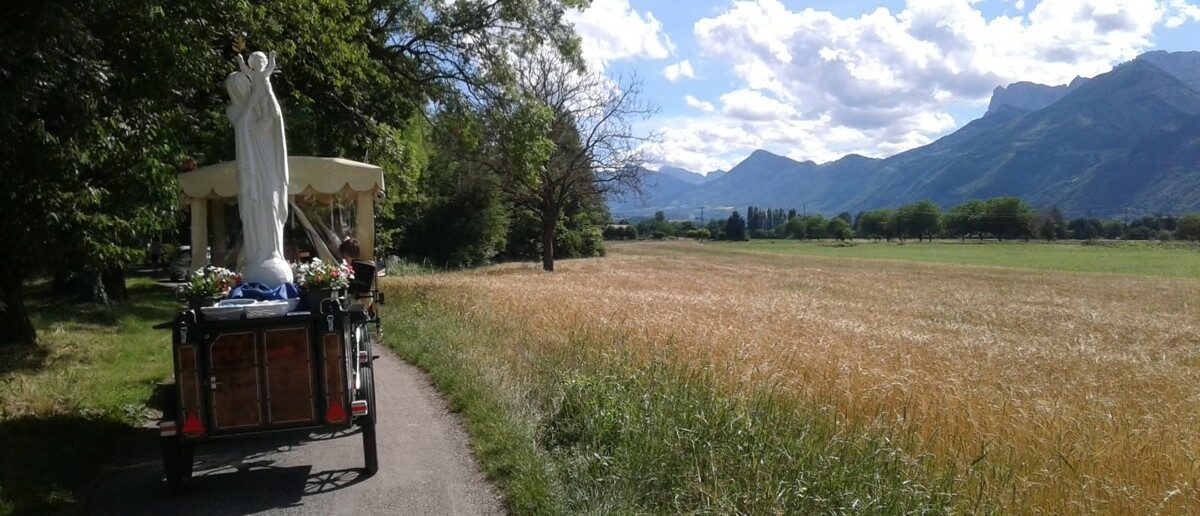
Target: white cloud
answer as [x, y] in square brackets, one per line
[706, 107]
[612, 30]
[1181, 12]
[753, 105]
[679, 70]
[816, 86]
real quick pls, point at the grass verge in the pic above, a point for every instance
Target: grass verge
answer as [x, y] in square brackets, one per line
[579, 426]
[71, 404]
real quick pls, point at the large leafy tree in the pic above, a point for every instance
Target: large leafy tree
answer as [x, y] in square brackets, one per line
[96, 98]
[1009, 217]
[968, 218]
[735, 228]
[920, 219]
[596, 150]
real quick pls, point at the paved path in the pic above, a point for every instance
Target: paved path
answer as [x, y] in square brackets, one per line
[424, 467]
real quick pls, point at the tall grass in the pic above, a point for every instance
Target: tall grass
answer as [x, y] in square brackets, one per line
[581, 426]
[1036, 391]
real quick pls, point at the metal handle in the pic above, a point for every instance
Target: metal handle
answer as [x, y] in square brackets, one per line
[213, 383]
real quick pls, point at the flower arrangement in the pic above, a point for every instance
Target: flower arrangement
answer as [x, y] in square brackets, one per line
[209, 282]
[317, 275]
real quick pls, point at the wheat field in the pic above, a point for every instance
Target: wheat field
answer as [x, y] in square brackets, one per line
[1042, 392]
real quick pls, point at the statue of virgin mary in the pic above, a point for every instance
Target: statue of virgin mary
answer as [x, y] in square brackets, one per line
[262, 169]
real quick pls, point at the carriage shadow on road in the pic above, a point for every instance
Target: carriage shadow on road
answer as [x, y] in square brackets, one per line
[231, 477]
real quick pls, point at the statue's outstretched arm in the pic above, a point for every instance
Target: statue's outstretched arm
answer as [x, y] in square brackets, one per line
[241, 62]
[270, 64]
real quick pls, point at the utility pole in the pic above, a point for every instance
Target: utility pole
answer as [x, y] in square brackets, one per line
[701, 215]
[804, 209]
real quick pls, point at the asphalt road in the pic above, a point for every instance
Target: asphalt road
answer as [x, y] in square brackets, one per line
[425, 467]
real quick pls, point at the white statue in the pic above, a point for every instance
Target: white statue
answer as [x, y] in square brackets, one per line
[262, 169]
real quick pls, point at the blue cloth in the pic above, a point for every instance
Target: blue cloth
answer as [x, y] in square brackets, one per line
[263, 293]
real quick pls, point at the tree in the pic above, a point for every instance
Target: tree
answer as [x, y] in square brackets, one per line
[1085, 229]
[920, 219]
[839, 229]
[716, 229]
[877, 224]
[1051, 225]
[1114, 229]
[595, 149]
[795, 228]
[735, 228]
[814, 226]
[94, 130]
[1009, 217]
[1187, 227]
[967, 219]
[458, 219]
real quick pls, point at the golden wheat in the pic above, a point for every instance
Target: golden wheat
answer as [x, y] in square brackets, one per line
[1047, 392]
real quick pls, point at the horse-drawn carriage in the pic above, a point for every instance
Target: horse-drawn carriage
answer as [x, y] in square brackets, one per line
[305, 369]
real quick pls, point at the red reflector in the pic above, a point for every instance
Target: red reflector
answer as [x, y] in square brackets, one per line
[358, 408]
[192, 425]
[166, 428]
[335, 414]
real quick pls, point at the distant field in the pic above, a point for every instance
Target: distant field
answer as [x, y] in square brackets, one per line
[1144, 259]
[1031, 391]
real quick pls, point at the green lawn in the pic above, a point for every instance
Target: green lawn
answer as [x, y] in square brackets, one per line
[71, 404]
[1143, 259]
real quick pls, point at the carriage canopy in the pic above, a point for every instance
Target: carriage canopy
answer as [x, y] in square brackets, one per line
[312, 181]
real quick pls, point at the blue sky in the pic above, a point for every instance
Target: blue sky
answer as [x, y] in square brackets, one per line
[818, 80]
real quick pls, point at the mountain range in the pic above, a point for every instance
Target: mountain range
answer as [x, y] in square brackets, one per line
[1125, 140]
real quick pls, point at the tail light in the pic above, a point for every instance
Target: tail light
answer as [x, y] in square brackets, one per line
[335, 414]
[166, 428]
[189, 392]
[358, 408]
[335, 379]
[192, 426]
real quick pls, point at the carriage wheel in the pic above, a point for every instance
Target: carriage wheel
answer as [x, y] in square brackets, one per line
[177, 461]
[370, 450]
[176, 455]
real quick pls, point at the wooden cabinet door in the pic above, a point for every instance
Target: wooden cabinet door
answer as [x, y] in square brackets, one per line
[289, 372]
[234, 383]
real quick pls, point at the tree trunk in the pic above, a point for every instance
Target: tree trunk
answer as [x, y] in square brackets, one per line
[15, 327]
[549, 223]
[114, 284]
[548, 247]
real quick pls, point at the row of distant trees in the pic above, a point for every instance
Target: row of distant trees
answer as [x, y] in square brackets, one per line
[1000, 218]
